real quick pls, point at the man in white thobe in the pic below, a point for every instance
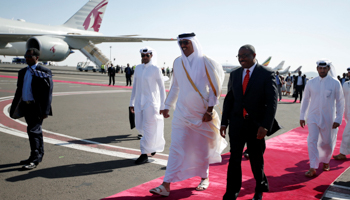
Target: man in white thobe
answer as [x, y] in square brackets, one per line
[147, 102]
[345, 143]
[195, 138]
[323, 107]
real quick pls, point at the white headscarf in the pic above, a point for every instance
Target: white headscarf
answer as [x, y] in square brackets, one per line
[147, 49]
[197, 69]
[325, 63]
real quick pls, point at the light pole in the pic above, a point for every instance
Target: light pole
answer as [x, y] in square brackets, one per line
[110, 53]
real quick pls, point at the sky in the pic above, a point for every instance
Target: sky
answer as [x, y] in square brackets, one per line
[299, 32]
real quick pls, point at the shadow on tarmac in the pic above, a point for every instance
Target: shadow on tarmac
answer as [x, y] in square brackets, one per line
[107, 140]
[9, 165]
[293, 179]
[74, 170]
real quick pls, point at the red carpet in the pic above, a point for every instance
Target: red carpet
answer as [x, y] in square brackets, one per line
[286, 161]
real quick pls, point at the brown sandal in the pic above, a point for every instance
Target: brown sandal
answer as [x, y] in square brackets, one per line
[310, 173]
[340, 157]
[326, 167]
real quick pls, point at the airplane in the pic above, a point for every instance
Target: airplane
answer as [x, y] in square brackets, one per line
[229, 68]
[56, 43]
[297, 70]
[267, 62]
[286, 71]
[278, 67]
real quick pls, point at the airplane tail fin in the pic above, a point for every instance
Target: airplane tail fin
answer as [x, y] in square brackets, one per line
[266, 63]
[279, 66]
[89, 17]
[297, 70]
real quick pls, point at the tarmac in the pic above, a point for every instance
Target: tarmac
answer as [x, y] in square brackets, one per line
[90, 148]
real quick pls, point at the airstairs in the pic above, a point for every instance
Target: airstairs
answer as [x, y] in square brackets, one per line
[94, 54]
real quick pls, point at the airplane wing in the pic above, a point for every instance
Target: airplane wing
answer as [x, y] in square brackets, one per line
[100, 39]
[95, 39]
[15, 37]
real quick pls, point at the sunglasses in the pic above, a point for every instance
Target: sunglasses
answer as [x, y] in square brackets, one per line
[184, 42]
[29, 56]
[242, 56]
[147, 55]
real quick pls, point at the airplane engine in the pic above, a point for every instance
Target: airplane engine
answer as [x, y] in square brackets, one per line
[51, 49]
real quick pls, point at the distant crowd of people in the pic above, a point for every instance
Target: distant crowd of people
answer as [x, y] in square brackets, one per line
[296, 84]
[168, 72]
[112, 71]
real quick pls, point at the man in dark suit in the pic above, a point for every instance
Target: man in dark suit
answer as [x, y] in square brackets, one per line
[249, 108]
[33, 101]
[111, 74]
[128, 74]
[299, 85]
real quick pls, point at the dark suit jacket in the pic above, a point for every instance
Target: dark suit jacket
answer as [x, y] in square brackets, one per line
[259, 100]
[111, 71]
[41, 88]
[296, 82]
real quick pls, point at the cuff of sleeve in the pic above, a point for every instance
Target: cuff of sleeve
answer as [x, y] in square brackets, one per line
[167, 107]
[302, 117]
[162, 107]
[337, 121]
[213, 102]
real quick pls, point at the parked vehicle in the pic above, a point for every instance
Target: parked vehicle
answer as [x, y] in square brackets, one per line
[90, 68]
[18, 60]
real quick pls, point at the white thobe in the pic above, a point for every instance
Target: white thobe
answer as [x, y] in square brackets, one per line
[322, 105]
[345, 143]
[194, 144]
[147, 98]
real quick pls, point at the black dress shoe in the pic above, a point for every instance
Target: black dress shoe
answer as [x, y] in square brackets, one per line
[142, 159]
[154, 153]
[258, 196]
[246, 154]
[30, 166]
[25, 162]
[139, 136]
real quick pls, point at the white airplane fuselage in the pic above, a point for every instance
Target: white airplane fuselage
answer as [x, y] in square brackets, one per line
[19, 27]
[55, 43]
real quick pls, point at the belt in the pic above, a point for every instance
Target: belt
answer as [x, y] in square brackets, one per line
[28, 102]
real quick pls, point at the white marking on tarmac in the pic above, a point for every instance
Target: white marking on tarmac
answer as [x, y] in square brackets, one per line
[336, 195]
[22, 134]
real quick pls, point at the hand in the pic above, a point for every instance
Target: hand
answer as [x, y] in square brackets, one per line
[207, 117]
[261, 133]
[132, 109]
[335, 125]
[302, 123]
[223, 131]
[161, 112]
[165, 113]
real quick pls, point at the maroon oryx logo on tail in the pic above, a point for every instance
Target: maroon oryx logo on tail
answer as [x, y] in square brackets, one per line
[94, 19]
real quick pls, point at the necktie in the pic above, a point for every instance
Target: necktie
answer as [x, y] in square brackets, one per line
[245, 83]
